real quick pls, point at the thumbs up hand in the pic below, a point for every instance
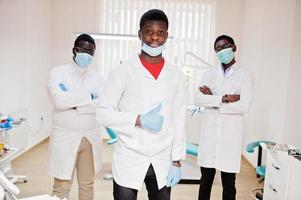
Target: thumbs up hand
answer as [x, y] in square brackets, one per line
[152, 120]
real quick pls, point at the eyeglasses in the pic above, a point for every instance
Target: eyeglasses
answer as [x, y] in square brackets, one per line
[219, 48]
[81, 50]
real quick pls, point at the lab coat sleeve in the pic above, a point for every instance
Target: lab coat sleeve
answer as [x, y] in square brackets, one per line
[243, 105]
[203, 100]
[108, 113]
[88, 109]
[207, 101]
[91, 108]
[65, 99]
[179, 111]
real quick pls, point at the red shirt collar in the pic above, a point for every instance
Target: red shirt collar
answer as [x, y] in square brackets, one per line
[154, 69]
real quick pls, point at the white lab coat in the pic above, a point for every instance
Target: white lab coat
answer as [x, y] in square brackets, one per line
[221, 128]
[130, 91]
[69, 124]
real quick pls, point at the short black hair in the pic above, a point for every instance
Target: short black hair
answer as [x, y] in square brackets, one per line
[224, 37]
[153, 14]
[84, 37]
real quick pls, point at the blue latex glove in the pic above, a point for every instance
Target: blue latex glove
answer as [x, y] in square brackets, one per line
[93, 96]
[174, 176]
[63, 87]
[152, 120]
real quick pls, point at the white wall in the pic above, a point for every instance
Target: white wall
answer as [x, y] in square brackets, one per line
[291, 132]
[267, 53]
[69, 17]
[25, 54]
[229, 20]
[35, 36]
[266, 50]
[267, 33]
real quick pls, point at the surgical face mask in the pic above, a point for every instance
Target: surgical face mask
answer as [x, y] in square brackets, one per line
[153, 51]
[225, 55]
[83, 60]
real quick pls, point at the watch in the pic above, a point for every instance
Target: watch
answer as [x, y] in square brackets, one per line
[176, 163]
[225, 99]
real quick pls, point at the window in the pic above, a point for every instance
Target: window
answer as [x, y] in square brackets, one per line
[190, 27]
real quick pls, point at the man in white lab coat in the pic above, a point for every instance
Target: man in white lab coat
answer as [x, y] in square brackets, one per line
[225, 92]
[144, 101]
[75, 142]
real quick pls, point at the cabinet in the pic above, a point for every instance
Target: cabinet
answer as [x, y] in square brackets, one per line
[283, 177]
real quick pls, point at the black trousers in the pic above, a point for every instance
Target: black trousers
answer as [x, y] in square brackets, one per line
[206, 181]
[124, 193]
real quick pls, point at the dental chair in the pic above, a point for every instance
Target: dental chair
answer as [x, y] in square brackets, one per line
[257, 193]
[191, 149]
[113, 136]
[190, 170]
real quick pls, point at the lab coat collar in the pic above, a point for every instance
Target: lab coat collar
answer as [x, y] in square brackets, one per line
[137, 64]
[163, 74]
[232, 68]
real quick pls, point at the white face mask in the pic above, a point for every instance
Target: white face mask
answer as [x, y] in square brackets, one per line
[153, 51]
[225, 55]
[83, 60]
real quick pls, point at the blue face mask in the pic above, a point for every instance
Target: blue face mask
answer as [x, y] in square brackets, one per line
[83, 60]
[225, 55]
[153, 51]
